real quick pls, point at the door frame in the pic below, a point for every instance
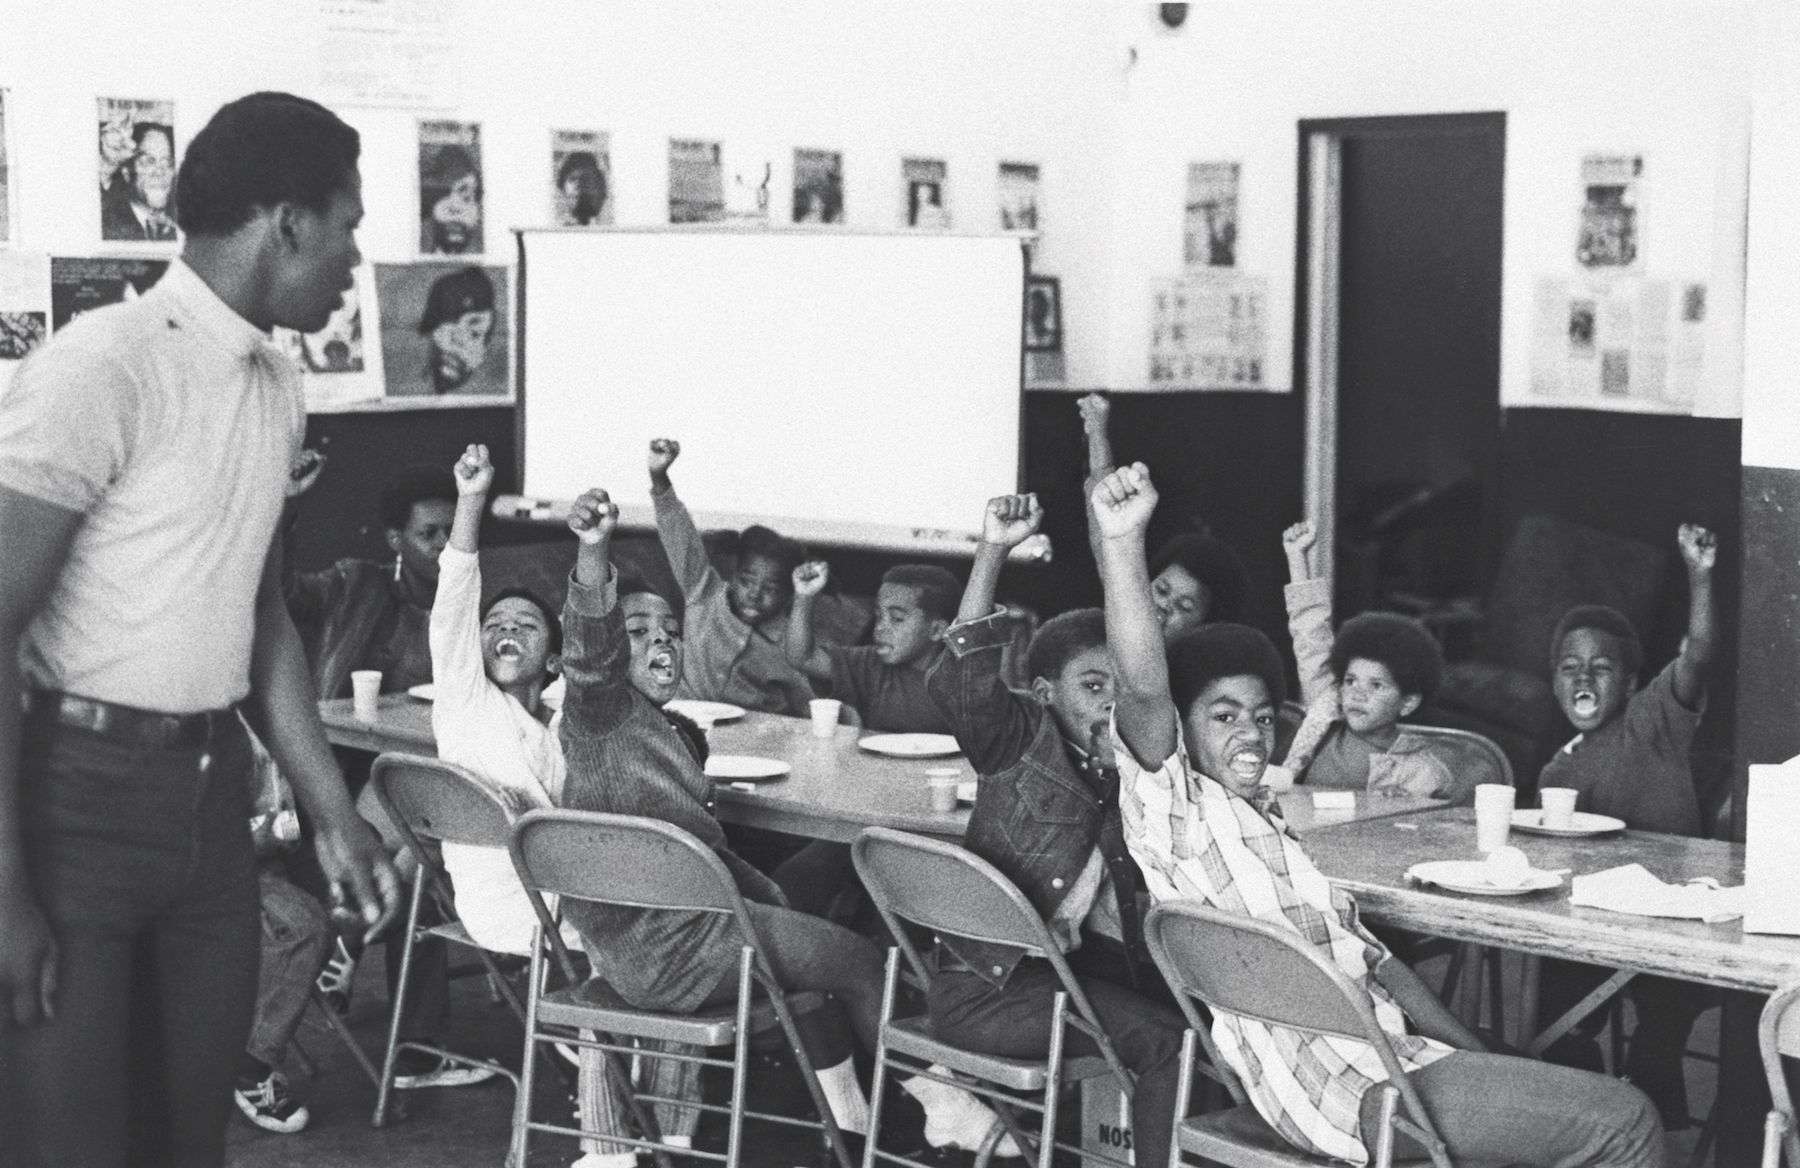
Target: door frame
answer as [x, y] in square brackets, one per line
[1318, 289]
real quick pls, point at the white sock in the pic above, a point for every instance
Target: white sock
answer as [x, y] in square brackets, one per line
[955, 1117]
[606, 1160]
[678, 1141]
[844, 1095]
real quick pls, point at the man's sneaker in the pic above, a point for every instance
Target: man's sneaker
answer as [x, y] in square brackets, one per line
[268, 1105]
[417, 1068]
[340, 970]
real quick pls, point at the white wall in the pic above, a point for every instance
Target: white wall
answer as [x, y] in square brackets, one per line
[1668, 80]
[1772, 286]
[971, 83]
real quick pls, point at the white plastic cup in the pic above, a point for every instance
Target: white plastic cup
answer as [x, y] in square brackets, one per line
[365, 688]
[1493, 816]
[824, 716]
[943, 791]
[1559, 806]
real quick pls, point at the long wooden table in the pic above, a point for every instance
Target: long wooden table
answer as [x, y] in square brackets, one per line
[835, 789]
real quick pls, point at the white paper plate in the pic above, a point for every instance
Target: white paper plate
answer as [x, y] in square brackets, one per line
[1475, 877]
[425, 693]
[910, 745]
[1582, 823]
[740, 768]
[705, 713]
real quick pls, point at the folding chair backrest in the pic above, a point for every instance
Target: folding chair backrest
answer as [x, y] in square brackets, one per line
[1256, 970]
[439, 801]
[1473, 758]
[1778, 1036]
[621, 859]
[947, 889]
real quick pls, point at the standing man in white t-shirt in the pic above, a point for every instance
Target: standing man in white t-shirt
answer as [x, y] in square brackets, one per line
[144, 457]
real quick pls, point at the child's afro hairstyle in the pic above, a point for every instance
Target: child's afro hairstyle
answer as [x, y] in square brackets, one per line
[1401, 643]
[631, 582]
[1601, 618]
[1211, 561]
[939, 593]
[757, 540]
[551, 624]
[1060, 638]
[415, 484]
[1201, 656]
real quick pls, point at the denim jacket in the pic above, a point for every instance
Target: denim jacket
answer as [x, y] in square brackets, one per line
[1035, 820]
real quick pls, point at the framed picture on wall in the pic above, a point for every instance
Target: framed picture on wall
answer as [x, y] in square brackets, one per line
[137, 170]
[444, 335]
[1043, 314]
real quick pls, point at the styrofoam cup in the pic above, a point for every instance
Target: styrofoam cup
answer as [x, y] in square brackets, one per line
[1493, 816]
[365, 687]
[1559, 806]
[943, 791]
[824, 716]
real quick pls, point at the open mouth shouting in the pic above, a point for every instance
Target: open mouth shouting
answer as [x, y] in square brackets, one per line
[1246, 764]
[660, 665]
[1585, 703]
[508, 649]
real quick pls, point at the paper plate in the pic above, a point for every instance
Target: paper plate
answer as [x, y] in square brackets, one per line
[910, 745]
[965, 791]
[1474, 877]
[425, 693]
[705, 713]
[1581, 823]
[741, 768]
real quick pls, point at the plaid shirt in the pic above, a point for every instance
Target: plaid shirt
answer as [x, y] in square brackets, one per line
[1194, 839]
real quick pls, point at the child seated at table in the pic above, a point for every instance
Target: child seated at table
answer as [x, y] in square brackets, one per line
[1046, 815]
[1357, 686]
[736, 627]
[489, 669]
[1194, 577]
[1629, 759]
[622, 661]
[884, 681]
[1193, 728]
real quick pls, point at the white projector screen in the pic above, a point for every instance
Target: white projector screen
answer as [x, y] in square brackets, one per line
[844, 389]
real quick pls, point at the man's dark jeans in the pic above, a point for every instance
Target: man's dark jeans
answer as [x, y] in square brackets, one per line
[140, 858]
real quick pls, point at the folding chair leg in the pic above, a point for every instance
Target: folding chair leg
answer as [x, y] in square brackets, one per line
[878, 1087]
[337, 1026]
[809, 1075]
[1053, 1084]
[397, 1009]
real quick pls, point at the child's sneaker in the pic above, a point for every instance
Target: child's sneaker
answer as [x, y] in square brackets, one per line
[268, 1105]
[340, 970]
[414, 1069]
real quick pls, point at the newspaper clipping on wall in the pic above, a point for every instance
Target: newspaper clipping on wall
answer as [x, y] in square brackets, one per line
[696, 181]
[818, 186]
[450, 188]
[1208, 330]
[137, 170]
[1210, 222]
[7, 214]
[925, 194]
[1609, 224]
[340, 365]
[24, 307]
[580, 178]
[78, 285]
[1626, 344]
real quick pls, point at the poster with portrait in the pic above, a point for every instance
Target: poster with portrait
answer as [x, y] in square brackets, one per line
[24, 307]
[1209, 226]
[450, 188]
[818, 186]
[136, 170]
[80, 284]
[7, 214]
[1607, 237]
[1622, 344]
[925, 194]
[696, 181]
[1208, 330]
[340, 365]
[445, 334]
[1018, 194]
[580, 178]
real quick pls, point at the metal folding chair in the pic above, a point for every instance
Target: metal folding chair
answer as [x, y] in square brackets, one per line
[1778, 1037]
[947, 889]
[1268, 973]
[646, 863]
[434, 802]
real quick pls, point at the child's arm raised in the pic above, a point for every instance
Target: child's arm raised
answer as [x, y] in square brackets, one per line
[1096, 411]
[675, 527]
[596, 654]
[1121, 506]
[993, 725]
[474, 474]
[802, 652]
[457, 671]
[1699, 552]
[1309, 614]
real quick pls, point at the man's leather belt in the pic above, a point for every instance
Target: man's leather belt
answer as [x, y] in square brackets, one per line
[128, 723]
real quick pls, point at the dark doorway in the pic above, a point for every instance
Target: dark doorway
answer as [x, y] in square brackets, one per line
[1418, 374]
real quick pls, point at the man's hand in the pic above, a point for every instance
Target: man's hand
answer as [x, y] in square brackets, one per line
[473, 472]
[28, 961]
[307, 468]
[593, 516]
[1699, 549]
[1095, 409]
[357, 869]
[1123, 502]
[663, 453]
[1010, 519]
[810, 578]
